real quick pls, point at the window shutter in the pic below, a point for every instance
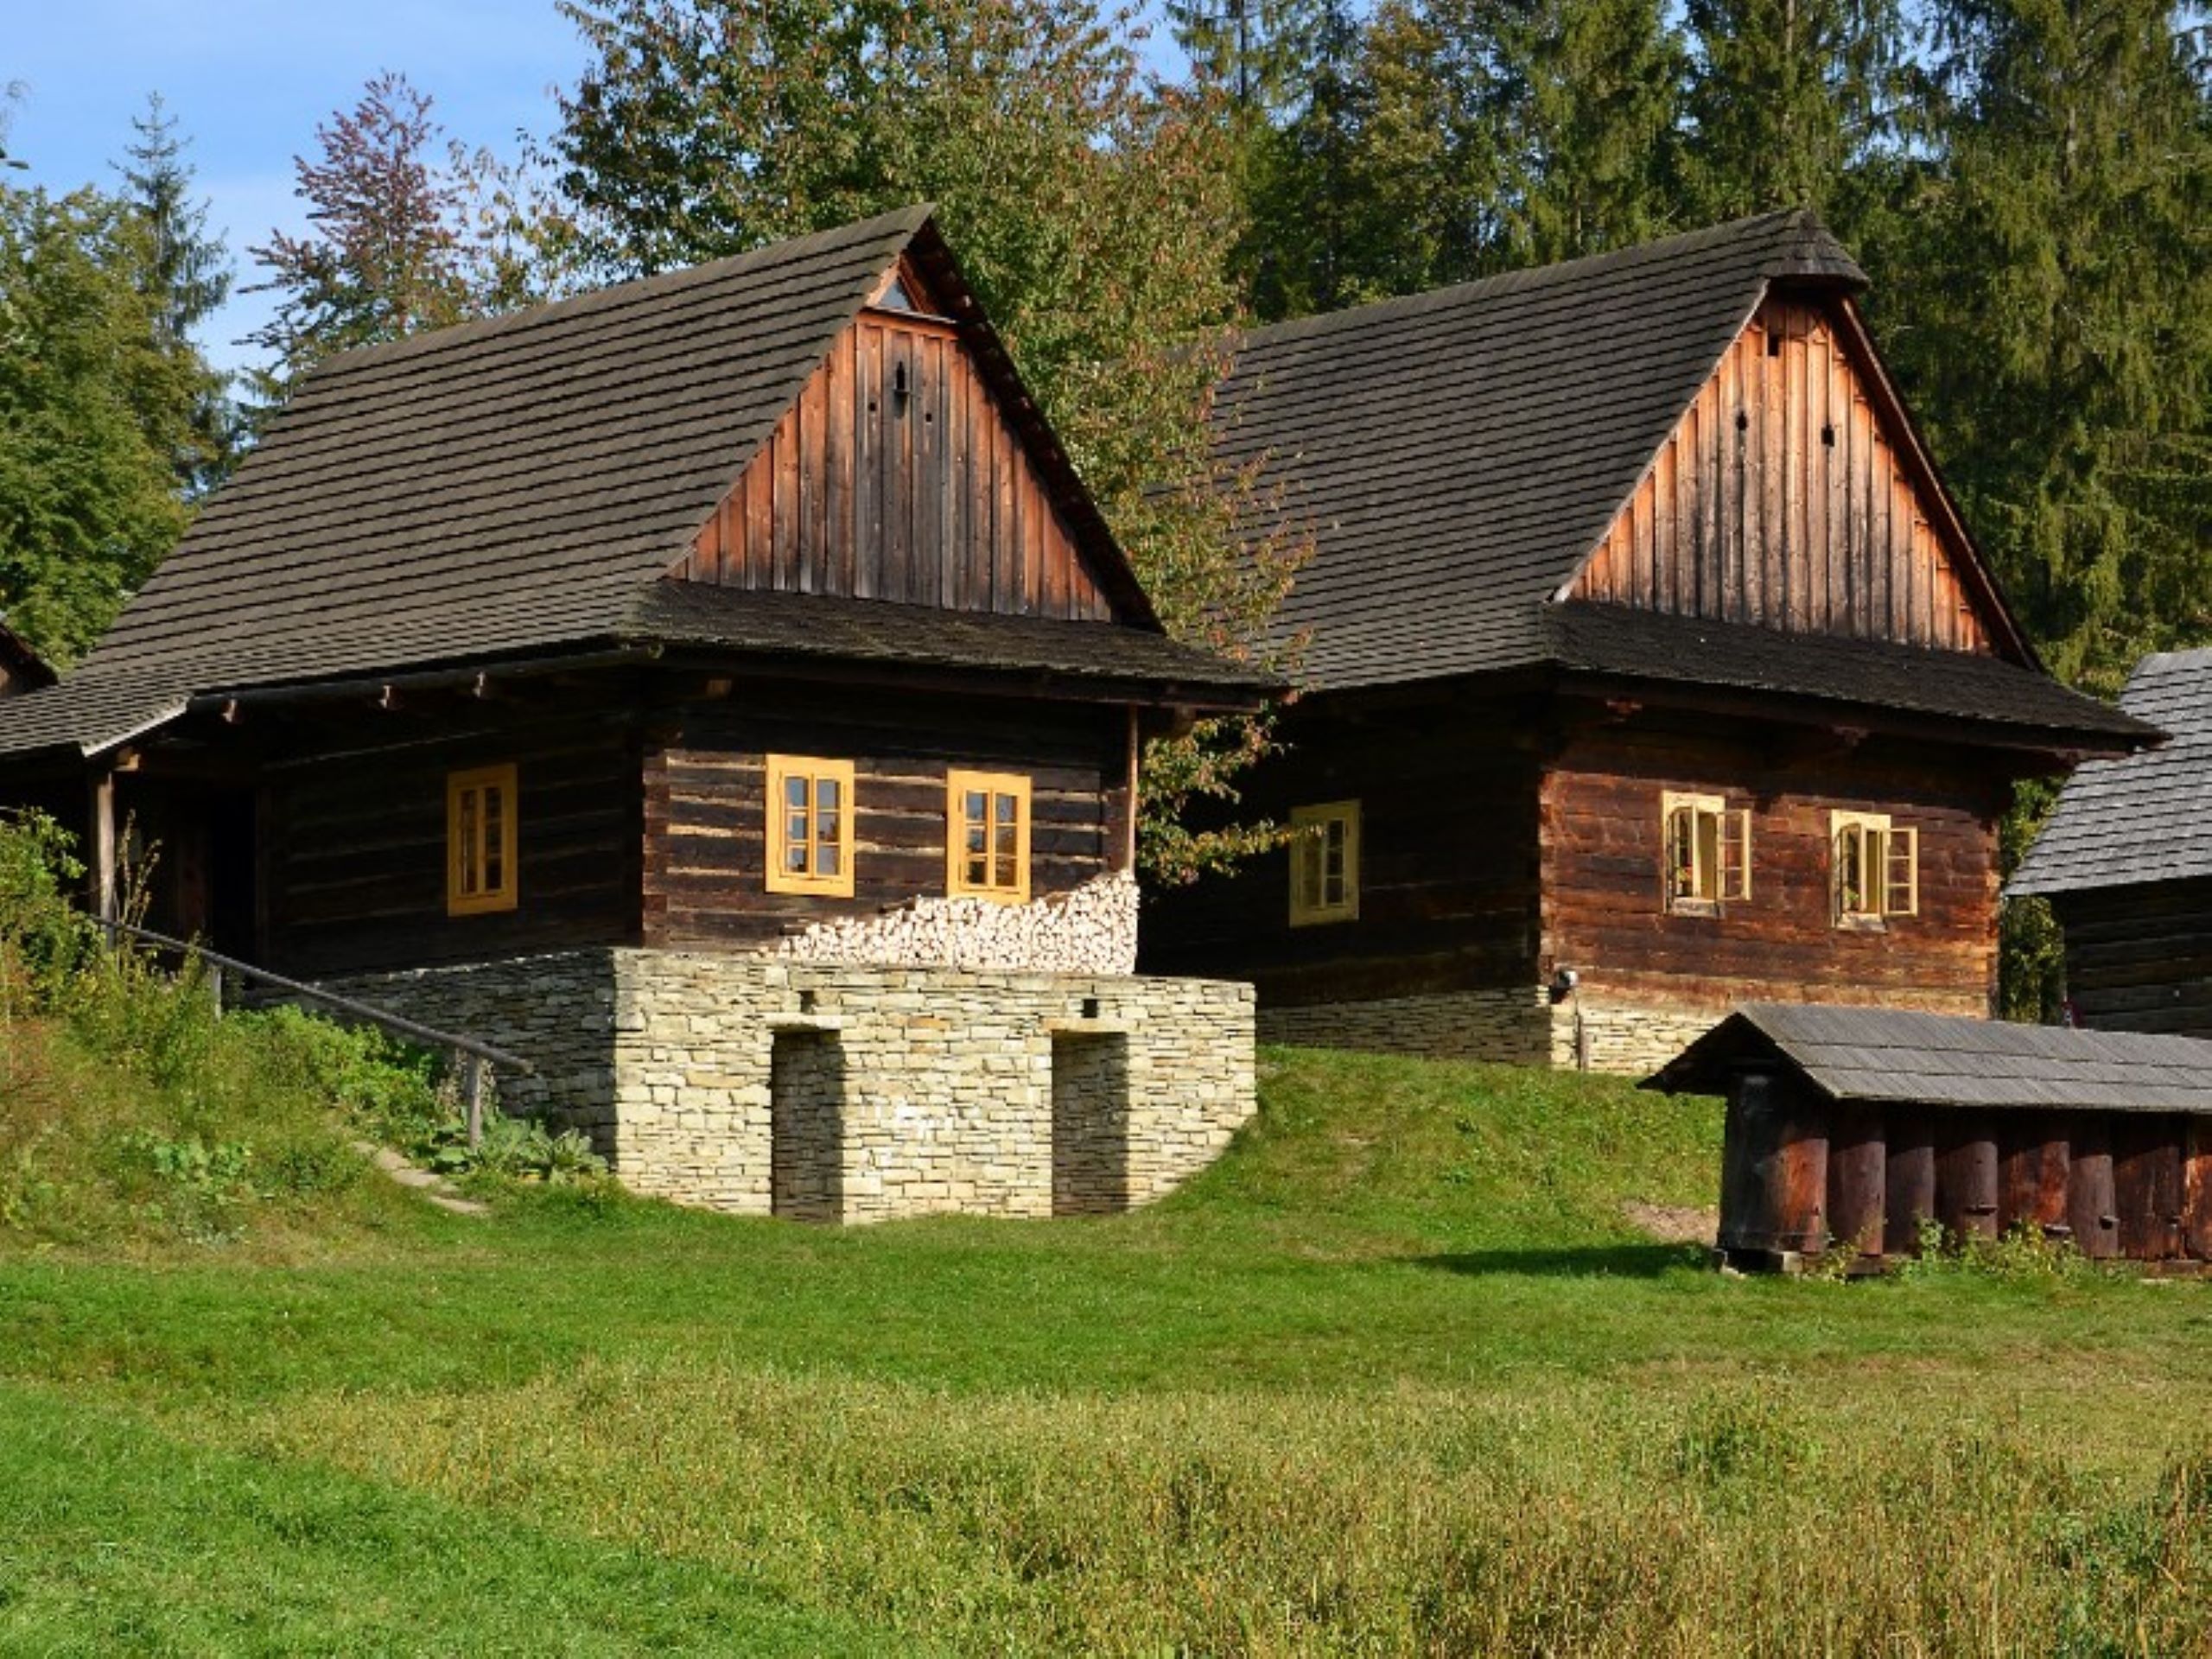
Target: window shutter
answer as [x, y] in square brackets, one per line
[1901, 854]
[1736, 857]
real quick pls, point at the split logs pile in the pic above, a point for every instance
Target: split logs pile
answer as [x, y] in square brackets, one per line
[1090, 929]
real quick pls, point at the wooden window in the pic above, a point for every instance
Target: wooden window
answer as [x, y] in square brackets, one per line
[1325, 863]
[481, 841]
[1709, 853]
[987, 851]
[809, 825]
[1874, 868]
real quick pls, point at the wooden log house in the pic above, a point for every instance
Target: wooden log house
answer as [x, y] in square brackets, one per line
[1861, 1129]
[749, 615]
[1651, 667]
[2126, 863]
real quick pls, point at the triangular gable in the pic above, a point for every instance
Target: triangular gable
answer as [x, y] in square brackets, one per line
[913, 467]
[1793, 494]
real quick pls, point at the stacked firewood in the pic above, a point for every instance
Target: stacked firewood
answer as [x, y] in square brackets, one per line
[1090, 929]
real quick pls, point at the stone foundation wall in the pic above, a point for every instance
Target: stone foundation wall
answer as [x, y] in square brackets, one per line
[758, 1085]
[1625, 1039]
[1512, 1026]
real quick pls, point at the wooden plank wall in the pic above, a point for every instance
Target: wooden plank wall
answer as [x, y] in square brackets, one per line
[1603, 853]
[1780, 501]
[2139, 957]
[356, 839]
[1447, 881]
[705, 824]
[928, 498]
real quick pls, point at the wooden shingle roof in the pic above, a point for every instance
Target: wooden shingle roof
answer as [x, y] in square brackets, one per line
[1933, 1059]
[2143, 817]
[1461, 452]
[519, 486]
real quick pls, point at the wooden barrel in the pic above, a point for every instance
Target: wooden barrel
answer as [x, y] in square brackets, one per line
[1966, 1174]
[2032, 1175]
[2089, 1202]
[1857, 1177]
[2146, 1178]
[1774, 1163]
[1910, 1196]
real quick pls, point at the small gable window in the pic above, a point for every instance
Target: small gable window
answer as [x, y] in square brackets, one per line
[988, 843]
[809, 825]
[1709, 853]
[1874, 868]
[481, 841]
[895, 297]
[1325, 863]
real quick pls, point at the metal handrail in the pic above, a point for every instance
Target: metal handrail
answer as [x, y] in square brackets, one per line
[473, 1054]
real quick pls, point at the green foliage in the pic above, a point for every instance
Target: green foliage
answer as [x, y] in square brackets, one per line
[95, 410]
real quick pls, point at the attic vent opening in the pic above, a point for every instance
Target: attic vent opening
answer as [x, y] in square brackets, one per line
[1743, 419]
[1774, 342]
[1827, 435]
[898, 388]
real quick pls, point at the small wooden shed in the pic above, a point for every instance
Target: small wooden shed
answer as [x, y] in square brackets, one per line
[1860, 1124]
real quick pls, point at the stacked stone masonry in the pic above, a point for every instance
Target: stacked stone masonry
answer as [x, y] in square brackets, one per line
[760, 1085]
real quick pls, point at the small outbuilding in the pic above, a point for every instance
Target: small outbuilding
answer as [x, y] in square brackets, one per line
[1862, 1125]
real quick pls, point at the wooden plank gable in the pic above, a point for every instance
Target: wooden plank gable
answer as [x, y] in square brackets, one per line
[896, 475]
[1784, 498]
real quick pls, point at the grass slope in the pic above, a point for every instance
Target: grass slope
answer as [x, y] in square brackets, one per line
[1396, 1376]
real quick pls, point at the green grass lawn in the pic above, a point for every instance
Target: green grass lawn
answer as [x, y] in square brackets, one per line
[1396, 1376]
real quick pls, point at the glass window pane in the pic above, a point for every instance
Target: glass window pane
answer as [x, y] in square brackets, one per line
[1006, 876]
[827, 793]
[977, 867]
[829, 860]
[976, 806]
[826, 827]
[794, 790]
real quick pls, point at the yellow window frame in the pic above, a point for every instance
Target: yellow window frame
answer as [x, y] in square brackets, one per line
[476, 883]
[998, 789]
[1705, 853]
[817, 850]
[1887, 860]
[1311, 829]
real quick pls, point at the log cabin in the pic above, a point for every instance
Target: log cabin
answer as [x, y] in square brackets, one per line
[718, 691]
[2126, 863]
[1651, 667]
[1859, 1129]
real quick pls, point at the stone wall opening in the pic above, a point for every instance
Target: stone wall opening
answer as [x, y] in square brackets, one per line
[806, 1126]
[1090, 1123]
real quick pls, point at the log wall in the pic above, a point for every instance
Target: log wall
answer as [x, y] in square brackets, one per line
[354, 867]
[705, 807]
[2139, 957]
[1604, 908]
[1447, 877]
[1780, 499]
[1799, 1172]
[924, 495]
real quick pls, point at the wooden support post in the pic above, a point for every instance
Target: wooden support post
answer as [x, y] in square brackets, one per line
[472, 1096]
[106, 901]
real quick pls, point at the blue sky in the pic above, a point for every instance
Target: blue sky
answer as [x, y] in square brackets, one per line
[249, 81]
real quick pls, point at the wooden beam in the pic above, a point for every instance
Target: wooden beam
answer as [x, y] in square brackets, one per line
[106, 900]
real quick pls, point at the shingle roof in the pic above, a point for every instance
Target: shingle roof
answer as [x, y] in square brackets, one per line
[1614, 640]
[514, 485]
[804, 625]
[2145, 817]
[1882, 1054]
[1462, 451]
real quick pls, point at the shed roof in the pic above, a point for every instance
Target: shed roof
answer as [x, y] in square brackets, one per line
[521, 485]
[2143, 817]
[1933, 1059]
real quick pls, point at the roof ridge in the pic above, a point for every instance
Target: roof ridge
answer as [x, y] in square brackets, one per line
[903, 222]
[1805, 225]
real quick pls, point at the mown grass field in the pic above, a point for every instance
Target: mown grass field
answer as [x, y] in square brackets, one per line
[1395, 1376]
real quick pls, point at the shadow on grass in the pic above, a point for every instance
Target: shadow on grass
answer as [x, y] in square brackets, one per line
[1588, 1261]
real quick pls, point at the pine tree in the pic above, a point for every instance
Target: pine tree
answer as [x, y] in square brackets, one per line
[1786, 99]
[186, 279]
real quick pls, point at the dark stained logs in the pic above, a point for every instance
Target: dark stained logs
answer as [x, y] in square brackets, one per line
[2146, 1178]
[2089, 1200]
[1775, 1198]
[2031, 1184]
[1910, 1200]
[2139, 957]
[1966, 1175]
[1857, 1175]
